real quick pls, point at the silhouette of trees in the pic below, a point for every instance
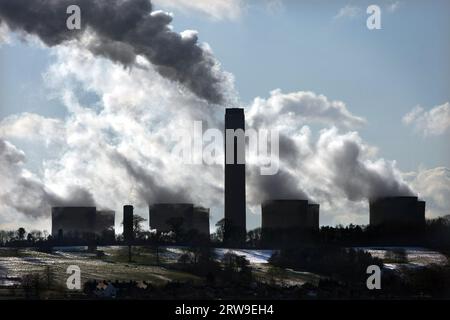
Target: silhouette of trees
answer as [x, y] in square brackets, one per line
[220, 230]
[237, 268]
[337, 262]
[21, 233]
[137, 226]
[254, 237]
[176, 225]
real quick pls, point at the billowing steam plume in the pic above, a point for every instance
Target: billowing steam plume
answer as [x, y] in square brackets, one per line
[27, 194]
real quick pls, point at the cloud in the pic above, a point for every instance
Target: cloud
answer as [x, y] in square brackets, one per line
[433, 186]
[349, 11]
[26, 194]
[337, 169]
[128, 29]
[290, 109]
[30, 126]
[429, 123]
[217, 10]
[4, 33]
[282, 185]
[347, 160]
[120, 146]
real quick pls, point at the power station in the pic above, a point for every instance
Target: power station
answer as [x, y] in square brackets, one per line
[283, 220]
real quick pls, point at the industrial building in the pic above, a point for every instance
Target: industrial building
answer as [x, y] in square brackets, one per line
[235, 219]
[164, 217]
[397, 212]
[73, 222]
[82, 222]
[288, 221]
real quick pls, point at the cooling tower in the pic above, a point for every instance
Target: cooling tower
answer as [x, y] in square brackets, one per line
[73, 222]
[189, 217]
[397, 212]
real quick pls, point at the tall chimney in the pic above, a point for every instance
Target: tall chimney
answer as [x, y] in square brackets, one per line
[128, 223]
[235, 227]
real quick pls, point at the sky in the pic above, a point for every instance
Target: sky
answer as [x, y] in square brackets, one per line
[362, 113]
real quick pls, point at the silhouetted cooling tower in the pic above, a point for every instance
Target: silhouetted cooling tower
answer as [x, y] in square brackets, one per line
[405, 212]
[287, 221]
[313, 216]
[235, 220]
[165, 216]
[73, 222]
[128, 223]
[200, 220]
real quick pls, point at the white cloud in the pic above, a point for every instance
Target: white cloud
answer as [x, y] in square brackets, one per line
[290, 109]
[433, 186]
[31, 126]
[433, 122]
[217, 9]
[349, 11]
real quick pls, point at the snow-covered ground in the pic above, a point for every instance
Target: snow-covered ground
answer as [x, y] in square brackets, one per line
[254, 256]
[414, 256]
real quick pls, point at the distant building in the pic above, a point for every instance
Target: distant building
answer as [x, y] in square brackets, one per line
[397, 212]
[164, 217]
[235, 213]
[73, 222]
[128, 223]
[104, 223]
[287, 221]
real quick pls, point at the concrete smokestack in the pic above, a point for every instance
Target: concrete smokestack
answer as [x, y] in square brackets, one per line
[235, 225]
[128, 223]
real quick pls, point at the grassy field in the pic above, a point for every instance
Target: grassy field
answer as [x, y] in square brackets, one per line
[112, 266]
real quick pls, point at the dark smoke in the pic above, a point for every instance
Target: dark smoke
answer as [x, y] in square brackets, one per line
[123, 29]
[148, 186]
[282, 185]
[30, 198]
[289, 151]
[360, 181]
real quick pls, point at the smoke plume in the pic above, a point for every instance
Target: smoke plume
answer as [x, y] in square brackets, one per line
[121, 30]
[25, 193]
